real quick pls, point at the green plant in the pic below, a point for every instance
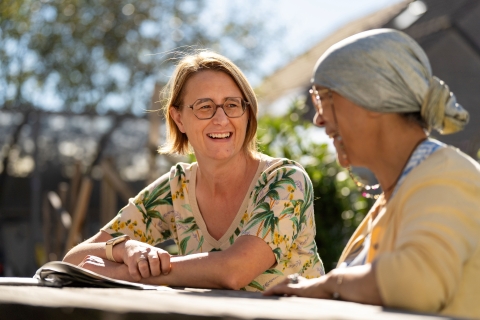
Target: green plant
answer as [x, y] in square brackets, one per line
[338, 205]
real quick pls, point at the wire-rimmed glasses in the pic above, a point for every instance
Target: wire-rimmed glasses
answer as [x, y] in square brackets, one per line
[317, 98]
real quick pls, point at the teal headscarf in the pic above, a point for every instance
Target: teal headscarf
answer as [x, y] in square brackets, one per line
[384, 70]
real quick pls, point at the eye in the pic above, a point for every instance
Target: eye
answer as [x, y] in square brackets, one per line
[203, 106]
[232, 105]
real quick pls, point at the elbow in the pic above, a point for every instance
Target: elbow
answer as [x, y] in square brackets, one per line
[70, 258]
[233, 276]
[233, 281]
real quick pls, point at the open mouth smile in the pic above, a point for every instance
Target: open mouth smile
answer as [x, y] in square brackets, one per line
[219, 135]
[332, 135]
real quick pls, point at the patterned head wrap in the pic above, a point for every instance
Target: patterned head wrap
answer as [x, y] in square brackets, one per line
[384, 70]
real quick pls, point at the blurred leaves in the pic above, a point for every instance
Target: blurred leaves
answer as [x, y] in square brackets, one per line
[98, 55]
[338, 205]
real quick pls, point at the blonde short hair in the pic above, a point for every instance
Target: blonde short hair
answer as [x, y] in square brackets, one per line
[177, 141]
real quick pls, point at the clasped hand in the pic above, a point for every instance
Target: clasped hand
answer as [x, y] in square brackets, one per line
[138, 260]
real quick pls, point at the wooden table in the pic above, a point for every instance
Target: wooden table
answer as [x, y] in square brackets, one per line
[38, 303]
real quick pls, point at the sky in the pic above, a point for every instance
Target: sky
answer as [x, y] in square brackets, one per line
[303, 23]
[292, 27]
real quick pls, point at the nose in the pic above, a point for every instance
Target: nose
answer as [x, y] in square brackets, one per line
[220, 117]
[318, 120]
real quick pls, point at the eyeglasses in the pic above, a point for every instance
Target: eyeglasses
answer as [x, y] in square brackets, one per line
[317, 98]
[205, 109]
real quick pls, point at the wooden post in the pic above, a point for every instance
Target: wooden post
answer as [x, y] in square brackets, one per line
[63, 220]
[114, 180]
[108, 197]
[154, 118]
[47, 229]
[74, 186]
[79, 213]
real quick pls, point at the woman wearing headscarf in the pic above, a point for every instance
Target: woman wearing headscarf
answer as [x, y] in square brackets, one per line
[419, 246]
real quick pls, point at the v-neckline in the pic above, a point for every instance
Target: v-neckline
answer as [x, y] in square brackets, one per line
[198, 216]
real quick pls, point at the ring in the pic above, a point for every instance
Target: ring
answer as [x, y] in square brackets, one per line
[141, 259]
[293, 278]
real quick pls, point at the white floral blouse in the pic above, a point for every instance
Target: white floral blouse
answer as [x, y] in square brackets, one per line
[278, 208]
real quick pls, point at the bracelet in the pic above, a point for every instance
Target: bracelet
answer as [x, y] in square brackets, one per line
[336, 294]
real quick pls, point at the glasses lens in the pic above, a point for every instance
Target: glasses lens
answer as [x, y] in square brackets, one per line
[233, 107]
[204, 109]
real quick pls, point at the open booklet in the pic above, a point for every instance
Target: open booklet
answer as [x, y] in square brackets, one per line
[64, 274]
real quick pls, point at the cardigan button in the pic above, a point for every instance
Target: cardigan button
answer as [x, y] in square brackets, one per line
[375, 246]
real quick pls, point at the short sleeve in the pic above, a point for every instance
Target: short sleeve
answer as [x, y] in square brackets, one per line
[148, 217]
[281, 209]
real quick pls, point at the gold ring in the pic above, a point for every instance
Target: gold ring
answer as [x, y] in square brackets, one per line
[141, 259]
[293, 278]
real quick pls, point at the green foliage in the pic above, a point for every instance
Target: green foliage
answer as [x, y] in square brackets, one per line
[87, 55]
[339, 207]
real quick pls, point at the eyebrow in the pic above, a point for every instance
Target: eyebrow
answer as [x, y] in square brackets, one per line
[225, 99]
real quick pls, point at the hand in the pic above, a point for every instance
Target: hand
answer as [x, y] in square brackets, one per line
[106, 268]
[144, 260]
[313, 288]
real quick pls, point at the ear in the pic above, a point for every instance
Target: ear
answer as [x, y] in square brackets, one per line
[374, 114]
[177, 117]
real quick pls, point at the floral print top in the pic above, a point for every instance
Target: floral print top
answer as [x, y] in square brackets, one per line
[278, 208]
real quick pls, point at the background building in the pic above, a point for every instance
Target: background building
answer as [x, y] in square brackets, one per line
[447, 31]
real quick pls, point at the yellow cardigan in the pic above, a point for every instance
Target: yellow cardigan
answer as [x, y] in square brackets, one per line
[425, 242]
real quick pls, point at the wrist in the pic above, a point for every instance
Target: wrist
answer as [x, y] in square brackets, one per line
[110, 245]
[336, 282]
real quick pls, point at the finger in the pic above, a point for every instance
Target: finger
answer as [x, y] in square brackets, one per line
[89, 259]
[274, 290]
[154, 262]
[143, 267]
[165, 262]
[280, 290]
[133, 269]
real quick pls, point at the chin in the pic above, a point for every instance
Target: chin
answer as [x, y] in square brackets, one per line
[222, 155]
[342, 162]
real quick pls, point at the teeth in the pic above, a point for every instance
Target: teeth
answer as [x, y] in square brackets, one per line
[219, 135]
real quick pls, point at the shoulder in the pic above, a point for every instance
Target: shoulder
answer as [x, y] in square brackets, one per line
[274, 165]
[445, 180]
[181, 170]
[182, 167]
[448, 163]
[279, 173]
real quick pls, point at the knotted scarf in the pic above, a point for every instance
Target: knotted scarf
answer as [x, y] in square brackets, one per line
[384, 70]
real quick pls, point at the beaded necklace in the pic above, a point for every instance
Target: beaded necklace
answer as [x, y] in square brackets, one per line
[365, 188]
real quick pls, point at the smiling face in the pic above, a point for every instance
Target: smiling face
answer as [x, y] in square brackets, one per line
[352, 128]
[217, 138]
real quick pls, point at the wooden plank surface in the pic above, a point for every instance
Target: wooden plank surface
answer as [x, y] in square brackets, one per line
[21, 302]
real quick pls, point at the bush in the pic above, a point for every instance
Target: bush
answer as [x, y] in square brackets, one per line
[338, 205]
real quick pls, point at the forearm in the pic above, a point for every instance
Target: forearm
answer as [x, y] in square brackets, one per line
[233, 268]
[79, 252]
[357, 284]
[95, 246]
[202, 270]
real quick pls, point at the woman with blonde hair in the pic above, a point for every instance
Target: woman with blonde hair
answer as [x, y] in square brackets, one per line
[419, 246]
[240, 219]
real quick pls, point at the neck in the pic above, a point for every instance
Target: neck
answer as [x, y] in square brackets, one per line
[225, 176]
[392, 154]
